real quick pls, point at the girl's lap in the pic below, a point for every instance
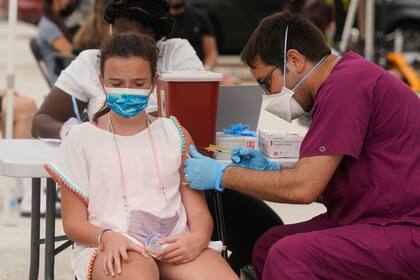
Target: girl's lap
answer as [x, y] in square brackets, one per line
[138, 267]
[209, 265]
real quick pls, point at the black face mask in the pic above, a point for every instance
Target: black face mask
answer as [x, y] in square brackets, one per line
[178, 5]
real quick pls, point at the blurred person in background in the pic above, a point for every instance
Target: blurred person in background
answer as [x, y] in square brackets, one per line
[322, 16]
[335, 12]
[94, 30]
[295, 6]
[78, 13]
[24, 109]
[195, 26]
[53, 35]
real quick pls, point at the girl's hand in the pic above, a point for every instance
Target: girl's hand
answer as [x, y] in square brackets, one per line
[115, 247]
[182, 248]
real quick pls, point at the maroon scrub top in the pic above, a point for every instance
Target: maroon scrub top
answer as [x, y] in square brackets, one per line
[373, 119]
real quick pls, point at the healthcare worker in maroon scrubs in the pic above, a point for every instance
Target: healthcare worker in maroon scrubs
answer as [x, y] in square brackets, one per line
[360, 157]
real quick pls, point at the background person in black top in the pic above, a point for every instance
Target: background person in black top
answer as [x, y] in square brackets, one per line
[195, 26]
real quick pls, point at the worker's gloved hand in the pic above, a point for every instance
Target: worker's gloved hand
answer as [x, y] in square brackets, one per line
[203, 173]
[65, 129]
[252, 159]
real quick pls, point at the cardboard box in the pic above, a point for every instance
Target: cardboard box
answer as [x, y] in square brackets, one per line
[230, 141]
[280, 144]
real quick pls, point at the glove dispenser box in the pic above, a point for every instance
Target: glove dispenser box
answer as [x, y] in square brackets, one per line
[192, 98]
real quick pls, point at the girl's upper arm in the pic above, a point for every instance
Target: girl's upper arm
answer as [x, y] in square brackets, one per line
[193, 200]
[72, 208]
[187, 142]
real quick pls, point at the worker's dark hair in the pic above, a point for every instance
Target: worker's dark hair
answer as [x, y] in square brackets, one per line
[320, 14]
[145, 16]
[267, 41]
[127, 45]
[56, 19]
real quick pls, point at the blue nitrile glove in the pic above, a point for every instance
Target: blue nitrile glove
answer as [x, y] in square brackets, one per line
[252, 159]
[203, 173]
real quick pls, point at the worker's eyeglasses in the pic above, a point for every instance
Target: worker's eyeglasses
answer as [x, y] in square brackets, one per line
[263, 81]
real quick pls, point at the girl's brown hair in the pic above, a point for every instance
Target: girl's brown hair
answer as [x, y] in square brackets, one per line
[127, 45]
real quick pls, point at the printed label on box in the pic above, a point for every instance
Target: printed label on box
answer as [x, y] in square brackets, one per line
[277, 144]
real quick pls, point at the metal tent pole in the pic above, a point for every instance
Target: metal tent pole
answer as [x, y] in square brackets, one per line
[370, 30]
[10, 88]
[351, 14]
[11, 61]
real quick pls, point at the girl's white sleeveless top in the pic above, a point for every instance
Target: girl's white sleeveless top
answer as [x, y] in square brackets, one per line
[87, 164]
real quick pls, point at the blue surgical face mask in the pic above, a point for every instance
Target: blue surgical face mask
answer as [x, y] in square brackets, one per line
[127, 102]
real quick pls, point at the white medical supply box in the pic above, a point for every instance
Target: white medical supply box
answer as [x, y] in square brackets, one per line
[279, 144]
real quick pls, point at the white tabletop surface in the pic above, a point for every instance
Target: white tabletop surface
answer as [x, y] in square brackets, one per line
[25, 158]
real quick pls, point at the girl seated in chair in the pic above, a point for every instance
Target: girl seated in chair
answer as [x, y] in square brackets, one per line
[123, 202]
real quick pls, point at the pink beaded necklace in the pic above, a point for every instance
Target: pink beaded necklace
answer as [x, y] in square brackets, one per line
[122, 181]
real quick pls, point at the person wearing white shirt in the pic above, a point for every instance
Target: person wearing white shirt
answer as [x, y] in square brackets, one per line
[80, 79]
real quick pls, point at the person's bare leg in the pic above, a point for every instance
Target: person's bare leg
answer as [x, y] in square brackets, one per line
[24, 109]
[209, 265]
[138, 268]
[23, 113]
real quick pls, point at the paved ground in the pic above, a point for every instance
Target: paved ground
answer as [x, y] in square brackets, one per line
[14, 250]
[15, 231]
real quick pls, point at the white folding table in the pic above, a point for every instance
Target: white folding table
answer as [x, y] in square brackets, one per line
[26, 159]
